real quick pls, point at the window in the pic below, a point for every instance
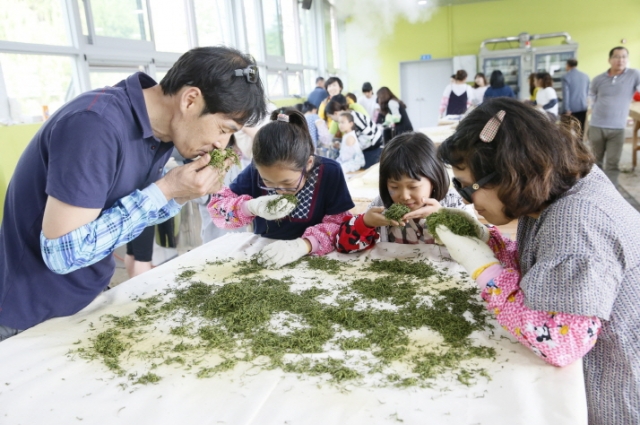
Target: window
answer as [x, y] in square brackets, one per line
[169, 25]
[107, 77]
[275, 84]
[213, 21]
[290, 32]
[252, 26]
[307, 36]
[34, 21]
[121, 19]
[293, 84]
[35, 81]
[271, 13]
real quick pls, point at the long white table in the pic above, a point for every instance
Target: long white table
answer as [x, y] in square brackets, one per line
[41, 384]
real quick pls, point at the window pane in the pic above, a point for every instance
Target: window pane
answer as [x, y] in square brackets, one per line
[83, 17]
[251, 25]
[33, 21]
[335, 44]
[289, 32]
[213, 21]
[274, 82]
[169, 25]
[121, 19]
[38, 80]
[307, 36]
[326, 19]
[310, 76]
[272, 27]
[109, 77]
[293, 84]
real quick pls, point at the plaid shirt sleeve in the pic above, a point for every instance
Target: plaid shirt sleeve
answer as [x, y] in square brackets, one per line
[121, 223]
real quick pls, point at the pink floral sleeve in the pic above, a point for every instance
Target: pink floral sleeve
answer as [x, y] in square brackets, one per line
[227, 209]
[558, 338]
[322, 236]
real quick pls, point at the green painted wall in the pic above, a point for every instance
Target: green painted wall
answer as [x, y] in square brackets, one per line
[13, 140]
[596, 25]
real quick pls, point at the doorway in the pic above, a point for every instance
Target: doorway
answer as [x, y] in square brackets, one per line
[421, 86]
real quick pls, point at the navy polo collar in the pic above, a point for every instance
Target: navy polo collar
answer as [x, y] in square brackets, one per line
[135, 83]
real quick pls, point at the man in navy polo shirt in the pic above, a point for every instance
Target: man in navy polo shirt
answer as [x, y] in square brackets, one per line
[91, 178]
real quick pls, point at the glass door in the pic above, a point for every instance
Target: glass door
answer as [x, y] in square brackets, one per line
[510, 68]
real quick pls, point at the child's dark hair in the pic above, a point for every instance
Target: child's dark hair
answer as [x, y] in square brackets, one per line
[212, 70]
[352, 97]
[412, 155]
[535, 160]
[367, 87]
[497, 79]
[336, 104]
[282, 142]
[545, 79]
[308, 107]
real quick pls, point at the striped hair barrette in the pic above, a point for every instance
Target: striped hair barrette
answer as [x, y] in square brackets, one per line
[490, 129]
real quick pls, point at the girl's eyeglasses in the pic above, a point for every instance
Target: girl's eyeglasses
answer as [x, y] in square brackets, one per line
[466, 192]
[261, 185]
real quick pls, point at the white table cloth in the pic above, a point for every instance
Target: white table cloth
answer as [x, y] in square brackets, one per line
[41, 384]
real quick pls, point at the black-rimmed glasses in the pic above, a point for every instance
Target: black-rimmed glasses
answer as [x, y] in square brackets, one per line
[261, 185]
[251, 72]
[466, 192]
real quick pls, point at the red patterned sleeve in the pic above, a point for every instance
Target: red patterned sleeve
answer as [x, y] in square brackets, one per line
[355, 236]
[227, 209]
[321, 236]
[558, 338]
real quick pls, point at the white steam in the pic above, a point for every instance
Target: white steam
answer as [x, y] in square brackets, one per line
[368, 22]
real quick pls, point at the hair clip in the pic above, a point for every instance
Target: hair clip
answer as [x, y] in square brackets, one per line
[251, 72]
[490, 129]
[283, 117]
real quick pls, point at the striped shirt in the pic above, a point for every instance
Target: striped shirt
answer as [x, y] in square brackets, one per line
[369, 134]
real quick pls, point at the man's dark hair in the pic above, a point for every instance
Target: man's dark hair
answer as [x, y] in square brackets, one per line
[319, 79]
[535, 160]
[412, 155]
[332, 80]
[281, 142]
[612, 51]
[367, 87]
[212, 70]
[497, 79]
[572, 63]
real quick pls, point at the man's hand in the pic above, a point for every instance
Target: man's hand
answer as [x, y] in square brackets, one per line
[281, 253]
[191, 180]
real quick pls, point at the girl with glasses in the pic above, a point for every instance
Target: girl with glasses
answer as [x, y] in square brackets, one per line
[569, 288]
[283, 163]
[411, 175]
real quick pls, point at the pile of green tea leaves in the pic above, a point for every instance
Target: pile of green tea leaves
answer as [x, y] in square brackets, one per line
[272, 206]
[457, 223]
[396, 212]
[343, 321]
[219, 158]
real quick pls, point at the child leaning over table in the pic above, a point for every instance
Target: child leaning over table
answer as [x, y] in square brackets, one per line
[351, 157]
[411, 175]
[283, 163]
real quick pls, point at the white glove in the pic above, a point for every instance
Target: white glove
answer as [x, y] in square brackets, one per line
[481, 230]
[258, 207]
[281, 253]
[471, 253]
